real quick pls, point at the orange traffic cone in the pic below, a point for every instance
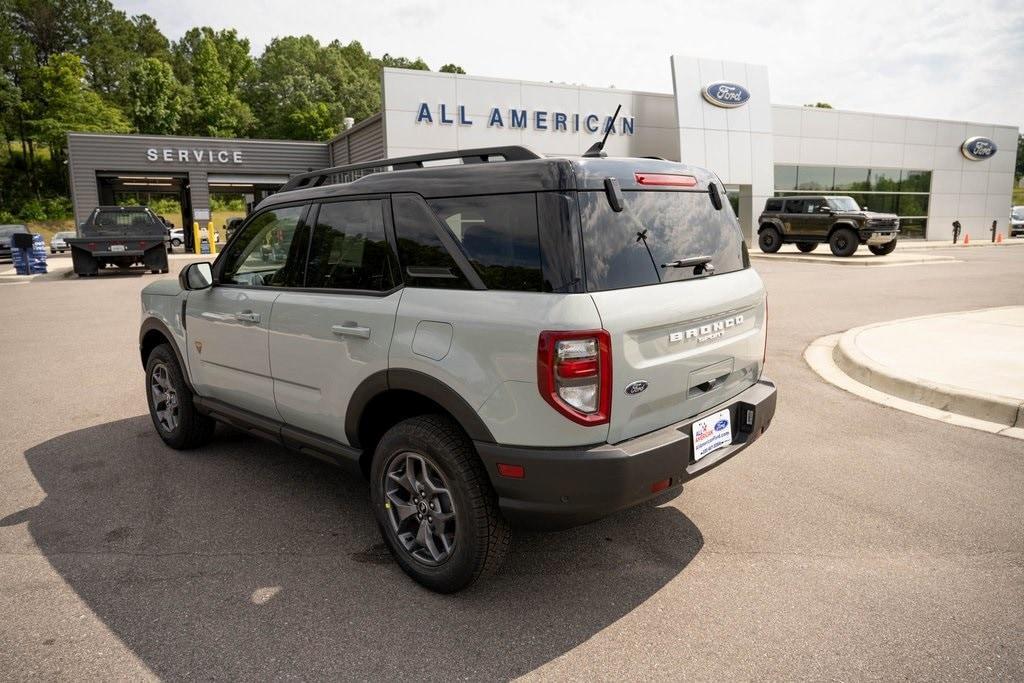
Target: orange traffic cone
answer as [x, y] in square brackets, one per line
[999, 238]
[967, 238]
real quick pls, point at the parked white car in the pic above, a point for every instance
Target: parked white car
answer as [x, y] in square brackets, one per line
[57, 242]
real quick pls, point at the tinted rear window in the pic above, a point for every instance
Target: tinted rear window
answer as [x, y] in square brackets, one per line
[627, 249]
[773, 205]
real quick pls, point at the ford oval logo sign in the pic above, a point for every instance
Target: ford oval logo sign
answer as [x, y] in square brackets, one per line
[727, 95]
[978, 148]
[636, 387]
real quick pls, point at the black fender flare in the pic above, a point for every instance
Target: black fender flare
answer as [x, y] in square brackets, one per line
[419, 383]
[770, 223]
[157, 325]
[838, 225]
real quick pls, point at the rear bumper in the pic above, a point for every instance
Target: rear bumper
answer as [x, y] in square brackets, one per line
[565, 487]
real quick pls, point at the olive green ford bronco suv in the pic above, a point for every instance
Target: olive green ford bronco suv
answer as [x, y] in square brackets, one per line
[490, 337]
[808, 221]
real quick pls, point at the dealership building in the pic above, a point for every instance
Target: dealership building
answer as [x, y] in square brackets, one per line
[930, 172]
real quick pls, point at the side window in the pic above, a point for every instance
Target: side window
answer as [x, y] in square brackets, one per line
[794, 206]
[500, 237]
[270, 252]
[349, 249]
[811, 205]
[425, 260]
[773, 205]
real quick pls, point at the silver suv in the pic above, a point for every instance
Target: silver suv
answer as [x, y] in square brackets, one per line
[506, 339]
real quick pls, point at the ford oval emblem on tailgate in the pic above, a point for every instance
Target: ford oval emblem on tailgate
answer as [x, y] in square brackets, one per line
[636, 387]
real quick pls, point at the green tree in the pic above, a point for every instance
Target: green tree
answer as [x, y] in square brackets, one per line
[69, 104]
[155, 99]
[404, 63]
[232, 54]
[215, 108]
[302, 89]
[452, 69]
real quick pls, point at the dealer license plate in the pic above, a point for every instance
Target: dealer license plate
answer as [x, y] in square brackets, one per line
[711, 433]
[117, 247]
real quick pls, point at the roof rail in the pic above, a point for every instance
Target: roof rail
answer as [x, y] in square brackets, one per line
[349, 172]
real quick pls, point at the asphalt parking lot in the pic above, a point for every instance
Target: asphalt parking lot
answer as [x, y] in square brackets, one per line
[853, 541]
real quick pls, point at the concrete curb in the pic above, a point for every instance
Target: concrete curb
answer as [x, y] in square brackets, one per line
[819, 355]
[873, 262]
[850, 359]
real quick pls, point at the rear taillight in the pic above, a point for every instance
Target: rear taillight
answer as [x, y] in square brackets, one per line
[574, 374]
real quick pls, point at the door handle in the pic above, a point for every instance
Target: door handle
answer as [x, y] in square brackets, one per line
[350, 329]
[247, 317]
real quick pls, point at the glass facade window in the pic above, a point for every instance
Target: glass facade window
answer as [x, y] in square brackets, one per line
[852, 179]
[817, 178]
[903, 192]
[785, 178]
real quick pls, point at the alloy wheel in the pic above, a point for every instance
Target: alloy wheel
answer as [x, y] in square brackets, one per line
[420, 507]
[165, 398]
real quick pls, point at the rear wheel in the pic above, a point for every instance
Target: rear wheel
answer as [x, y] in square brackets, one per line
[843, 242]
[807, 247]
[769, 240]
[435, 506]
[175, 243]
[174, 415]
[882, 249]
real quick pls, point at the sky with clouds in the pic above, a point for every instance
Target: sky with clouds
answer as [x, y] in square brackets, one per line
[946, 59]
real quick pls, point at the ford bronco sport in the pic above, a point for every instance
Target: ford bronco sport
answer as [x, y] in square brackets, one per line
[506, 339]
[808, 221]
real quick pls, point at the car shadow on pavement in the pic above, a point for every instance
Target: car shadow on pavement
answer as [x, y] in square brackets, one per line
[242, 559]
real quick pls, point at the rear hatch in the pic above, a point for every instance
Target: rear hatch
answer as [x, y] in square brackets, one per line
[672, 282]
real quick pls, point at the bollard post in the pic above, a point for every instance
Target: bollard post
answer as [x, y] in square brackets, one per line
[994, 223]
[196, 238]
[956, 231]
[209, 235]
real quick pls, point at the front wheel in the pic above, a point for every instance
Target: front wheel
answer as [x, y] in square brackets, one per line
[843, 242]
[769, 240]
[882, 249]
[174, 415]
[435, 506]
[175, 243]
[807, 247]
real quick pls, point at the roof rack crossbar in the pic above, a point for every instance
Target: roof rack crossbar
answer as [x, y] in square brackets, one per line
[467, 156]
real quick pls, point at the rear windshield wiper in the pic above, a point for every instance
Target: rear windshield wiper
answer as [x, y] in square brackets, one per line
[700, 264]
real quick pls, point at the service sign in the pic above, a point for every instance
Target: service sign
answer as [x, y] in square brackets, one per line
[728, 95]
[978, 148]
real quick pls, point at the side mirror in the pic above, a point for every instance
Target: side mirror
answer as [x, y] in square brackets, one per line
[824, 208]
[196, 276]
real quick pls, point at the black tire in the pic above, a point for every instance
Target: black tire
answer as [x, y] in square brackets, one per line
[190, 428]
[807, 247]
[882, 249]
[175, 243]
[480, 536]
[53, 251]
[769, 240]
[843, 242]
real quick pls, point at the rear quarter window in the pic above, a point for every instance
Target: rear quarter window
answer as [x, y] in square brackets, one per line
[499, 235]
[773, 205]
